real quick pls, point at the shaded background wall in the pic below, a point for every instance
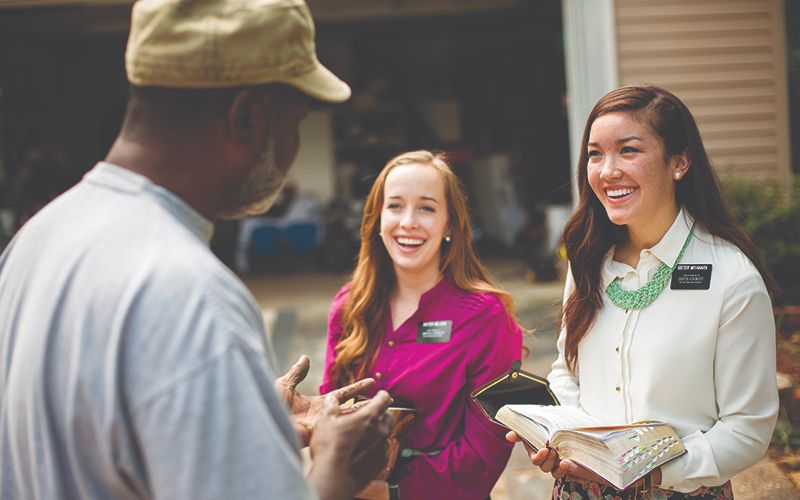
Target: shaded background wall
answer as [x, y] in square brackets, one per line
[482, 79]
[484, 83]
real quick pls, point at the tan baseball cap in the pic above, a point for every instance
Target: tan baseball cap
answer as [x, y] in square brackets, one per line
[227, 43]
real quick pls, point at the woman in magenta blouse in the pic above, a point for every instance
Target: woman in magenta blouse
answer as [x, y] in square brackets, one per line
[422, 317]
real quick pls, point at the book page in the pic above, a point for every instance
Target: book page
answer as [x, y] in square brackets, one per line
[555, 418]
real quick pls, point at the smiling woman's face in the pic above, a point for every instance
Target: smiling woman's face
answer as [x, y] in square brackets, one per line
[414, 218]
[630, 173]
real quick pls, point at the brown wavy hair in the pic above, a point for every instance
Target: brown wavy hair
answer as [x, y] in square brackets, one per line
[363, 316]
[589, 234]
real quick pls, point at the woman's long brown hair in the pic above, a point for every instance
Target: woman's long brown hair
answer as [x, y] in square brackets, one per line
[589, 234]
[363, 316]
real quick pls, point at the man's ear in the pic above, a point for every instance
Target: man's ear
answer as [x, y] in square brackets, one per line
[247, 123]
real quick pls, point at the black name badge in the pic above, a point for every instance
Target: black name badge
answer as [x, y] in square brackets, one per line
[434, 332]
[691, 277]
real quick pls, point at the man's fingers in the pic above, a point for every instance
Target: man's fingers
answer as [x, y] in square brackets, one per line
[385, 424]
[354, 407]
[330, 406]
[353, 390]
[381, 443]
[379, 403]
[375, 408]
[297, 373]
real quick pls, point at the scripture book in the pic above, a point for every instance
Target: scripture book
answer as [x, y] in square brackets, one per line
[621, 454]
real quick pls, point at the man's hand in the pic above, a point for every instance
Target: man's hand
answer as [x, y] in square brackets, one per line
[304, 409]
[377, 489]
[348, 450]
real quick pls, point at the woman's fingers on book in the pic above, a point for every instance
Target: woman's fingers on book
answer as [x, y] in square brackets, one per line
[513, 437]
[575, 470]
[546, 459]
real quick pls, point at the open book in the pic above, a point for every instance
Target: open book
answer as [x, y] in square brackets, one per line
[621, 454]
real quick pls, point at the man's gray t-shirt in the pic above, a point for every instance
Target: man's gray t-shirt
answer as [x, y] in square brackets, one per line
[133, 364]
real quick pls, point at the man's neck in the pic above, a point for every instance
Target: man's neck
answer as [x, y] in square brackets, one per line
[164, 169]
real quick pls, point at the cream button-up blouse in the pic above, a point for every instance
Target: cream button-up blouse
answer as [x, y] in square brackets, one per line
[701, 360]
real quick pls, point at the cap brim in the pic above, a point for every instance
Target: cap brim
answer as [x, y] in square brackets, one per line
[320, 83]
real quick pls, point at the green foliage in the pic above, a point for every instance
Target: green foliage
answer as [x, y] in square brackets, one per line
[786, 435]
[770, 213]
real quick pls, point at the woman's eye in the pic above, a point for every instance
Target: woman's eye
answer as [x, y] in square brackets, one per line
[427, 209]
[393, 206]
[629, 149]
[594, 153]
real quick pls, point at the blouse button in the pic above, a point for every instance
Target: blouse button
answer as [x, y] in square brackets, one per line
[618, 389]
[390, 343]
[617, 349]
[378, 375]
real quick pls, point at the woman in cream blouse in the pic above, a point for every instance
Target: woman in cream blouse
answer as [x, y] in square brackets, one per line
[666, 310]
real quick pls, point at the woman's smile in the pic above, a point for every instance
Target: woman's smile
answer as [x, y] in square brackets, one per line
[414, 218]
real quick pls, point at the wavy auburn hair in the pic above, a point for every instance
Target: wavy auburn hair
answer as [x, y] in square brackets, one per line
[364, 314]
[589, 234]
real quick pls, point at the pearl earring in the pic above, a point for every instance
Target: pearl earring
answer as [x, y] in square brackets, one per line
[447, 238]
[677, 175]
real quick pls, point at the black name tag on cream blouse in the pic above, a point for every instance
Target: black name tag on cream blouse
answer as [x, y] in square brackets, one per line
[691, 277]
[434, 332]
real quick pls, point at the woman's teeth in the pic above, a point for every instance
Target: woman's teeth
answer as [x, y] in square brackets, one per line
[618, 193]
[410, 242]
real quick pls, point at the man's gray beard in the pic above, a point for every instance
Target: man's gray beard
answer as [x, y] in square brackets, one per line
[261, 187]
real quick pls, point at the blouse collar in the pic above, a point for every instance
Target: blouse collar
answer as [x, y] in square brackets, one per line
[666, 250]
[435, 293]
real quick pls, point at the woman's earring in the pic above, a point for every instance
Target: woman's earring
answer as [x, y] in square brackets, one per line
[447, 238]
[677, 174]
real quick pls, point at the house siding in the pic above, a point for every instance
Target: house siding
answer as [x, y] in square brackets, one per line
[726, 60]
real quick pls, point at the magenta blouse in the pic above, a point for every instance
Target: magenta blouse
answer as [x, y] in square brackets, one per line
[437, 379]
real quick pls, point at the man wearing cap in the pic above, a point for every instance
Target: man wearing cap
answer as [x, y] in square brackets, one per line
[133, 364]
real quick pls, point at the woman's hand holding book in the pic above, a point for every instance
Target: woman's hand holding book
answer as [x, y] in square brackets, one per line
[546, 458]
[548, 461]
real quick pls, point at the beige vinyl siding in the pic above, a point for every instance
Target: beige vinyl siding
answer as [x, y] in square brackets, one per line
[726, 60]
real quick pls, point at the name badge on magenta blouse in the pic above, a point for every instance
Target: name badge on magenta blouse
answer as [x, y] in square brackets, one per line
[434, 332]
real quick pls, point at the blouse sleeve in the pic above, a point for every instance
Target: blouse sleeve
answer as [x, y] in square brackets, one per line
[469, 466]
[334, 334]
[746, 394]
[563, 383]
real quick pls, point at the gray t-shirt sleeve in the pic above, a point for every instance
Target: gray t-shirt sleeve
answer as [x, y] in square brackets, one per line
[215, 433]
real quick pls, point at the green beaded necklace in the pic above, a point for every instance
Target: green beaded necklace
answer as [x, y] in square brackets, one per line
[644, 296]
